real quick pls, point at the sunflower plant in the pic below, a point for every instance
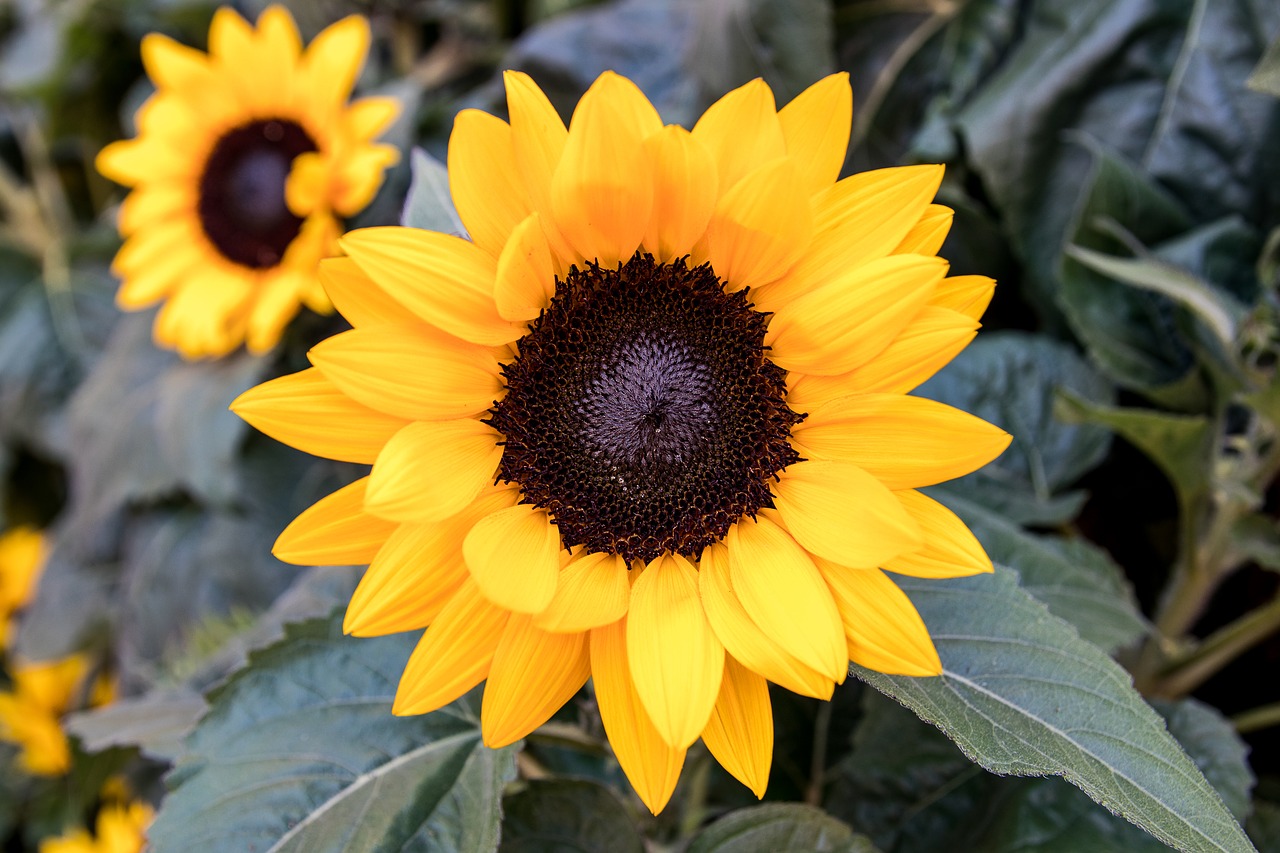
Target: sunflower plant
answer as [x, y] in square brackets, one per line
[639, 425]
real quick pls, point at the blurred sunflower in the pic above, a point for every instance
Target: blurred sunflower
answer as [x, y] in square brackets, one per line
[30, 712]
[120, 828]
[649, 425]
[21, 558]
[248, 158]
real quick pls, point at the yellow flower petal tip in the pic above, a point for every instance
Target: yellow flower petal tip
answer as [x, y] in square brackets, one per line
[648, 425]
[246, 161]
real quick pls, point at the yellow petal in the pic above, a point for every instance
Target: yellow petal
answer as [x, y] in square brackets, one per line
[417, 570]
[741, 132]
[358, 299]
[230, 35]
[927, 236]
[783, 593]
[743, 639]
[334, 531]
[884, 630]
[740, 731]
[593, 590]
[851, 319]
[816, 128]
[676, 659]
[759, 228]
[968, 294]
[905, 442]
[950, 548]
[307, 411]
[526, 277]
[652, 766]
[537, 136]
[172, 65]
[368, 117]
[414, 373]
[838, 511]
[454, 653]
[152, 203]
[684, 193]
[336, 55]
[485, 179]
[514, 556]
[444, 279]
[602, 192]
[431, 470]
[859, 220]
[534, 673]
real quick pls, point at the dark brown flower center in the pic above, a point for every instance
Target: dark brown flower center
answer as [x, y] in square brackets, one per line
[242, 206]
[642, 411]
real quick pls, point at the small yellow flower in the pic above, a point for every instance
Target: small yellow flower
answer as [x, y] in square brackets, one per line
[121, 828]
[29, 714]
[247, 160]
[649, 425]
[21, 558]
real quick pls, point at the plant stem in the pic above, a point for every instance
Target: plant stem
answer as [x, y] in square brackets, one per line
[818, 762]
[1220, 648]
[1256, 719]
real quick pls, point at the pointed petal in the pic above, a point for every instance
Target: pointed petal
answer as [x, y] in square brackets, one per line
[485, 179]
[537, 136]
[851, 319]
[905, 442]
[526, 276]
[741, 132]
[927, 236]
[431, 470]
[417, 570]
[334, 531]
[816, 127]
[760, 227]
[172, 65]
[652, 766]
[783, 593]
[336, 55]
[444, 279]
[514, 556]
[307, 411]
[743, 639]
[534, 673]
[740, 731]
[358, 299]
[454, 654]
[593, 590]
[968, 294]
[413, 373]
[950, 548]
[884, 630]
[676, 659]
[684, 193]
[838, 511]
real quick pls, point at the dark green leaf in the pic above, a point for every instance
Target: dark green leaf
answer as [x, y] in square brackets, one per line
[1257, 537]
[1076, 580]
[566, 816]
[1217, 750]
[1022, 694]
[1008, 378]
[780, 828]
[300, 752]
[429, 204]
[156, 723]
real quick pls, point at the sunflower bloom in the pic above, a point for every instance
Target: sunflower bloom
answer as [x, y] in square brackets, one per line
[21, 559]
[648, 425]
[30, 712]
[121, 828]
[247, 160]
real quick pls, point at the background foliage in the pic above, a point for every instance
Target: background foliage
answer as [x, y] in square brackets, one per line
[1112, 162]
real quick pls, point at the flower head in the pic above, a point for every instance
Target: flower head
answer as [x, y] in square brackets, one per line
[121, 828]
[247, 160]
[649, 425]
[21, 558]
[30, 712]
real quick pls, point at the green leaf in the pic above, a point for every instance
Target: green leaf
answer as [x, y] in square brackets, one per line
[779, 828]
[1008, 378]
[1075, 579]
[300, 752]
[1212, 742]
[564, 815]
[1266, 76]
[156, 723]
[1257, 537]
[1022, 694]
[1180, 445]
[429, 204]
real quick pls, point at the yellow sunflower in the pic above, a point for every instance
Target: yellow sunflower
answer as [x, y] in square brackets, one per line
[21, 559]
[31, 710]
[649, 425]
[121, 828]
[247, 160]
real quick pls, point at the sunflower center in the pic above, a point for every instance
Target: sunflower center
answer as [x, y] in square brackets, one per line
[642, 411]
[242, 206]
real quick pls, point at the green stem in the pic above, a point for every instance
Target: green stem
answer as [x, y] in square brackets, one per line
[1255, 719]
[818, 762]
[1220, 648]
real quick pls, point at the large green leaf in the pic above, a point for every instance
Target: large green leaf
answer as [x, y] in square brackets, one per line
[1022, 694]
[779, 828]
[1009, 379]
[566, 815]
[300, 752]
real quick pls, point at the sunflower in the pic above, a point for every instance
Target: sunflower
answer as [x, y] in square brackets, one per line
[120, 828]
[247, 160]
[648, 425]
[21, 560]
[30, 711]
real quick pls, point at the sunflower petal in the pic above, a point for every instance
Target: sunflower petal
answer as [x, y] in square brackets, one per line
[968, 294]
[740, 731]
[514, 556]
[431, 470]
[741, 131]
[534, 672]
[526, 277]
[593, 590]
[358, 299]
[950, 548]
[782, 592]
[760, 227]
[816, 126]
[538, 136]
[684, 192]
[651, 765]
[336, 55]
[884, 630]
[334, 531]
[485, 180]
[927, 236]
